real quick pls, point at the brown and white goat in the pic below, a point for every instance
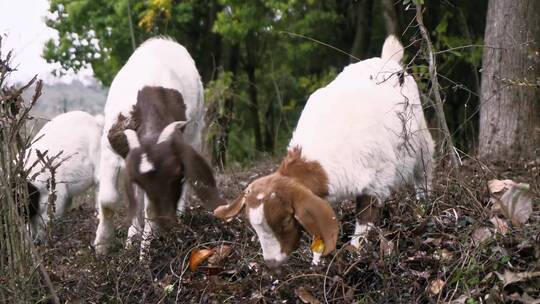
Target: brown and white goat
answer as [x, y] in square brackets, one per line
[154, 117]
[360, 137]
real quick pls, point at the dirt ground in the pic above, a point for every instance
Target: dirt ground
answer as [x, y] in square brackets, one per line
[422, 252]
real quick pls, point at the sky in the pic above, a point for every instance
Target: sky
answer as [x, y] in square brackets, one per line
[23, 30]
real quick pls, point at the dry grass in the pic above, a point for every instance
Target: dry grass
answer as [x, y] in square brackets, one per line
[432, 241]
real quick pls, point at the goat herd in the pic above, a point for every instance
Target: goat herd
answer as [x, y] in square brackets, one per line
[360, 137]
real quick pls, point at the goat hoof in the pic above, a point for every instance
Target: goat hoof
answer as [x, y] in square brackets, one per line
[103, 249]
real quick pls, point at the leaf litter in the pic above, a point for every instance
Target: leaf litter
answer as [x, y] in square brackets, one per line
[428, 252]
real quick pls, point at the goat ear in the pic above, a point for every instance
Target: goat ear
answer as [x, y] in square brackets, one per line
[318, 218]
[199, 174]
[133, 141]
[230, 210]
[170, 129]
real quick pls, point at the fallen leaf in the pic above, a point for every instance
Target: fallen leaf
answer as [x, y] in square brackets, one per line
[500, 225]
[306, 296]
[443, 255]
[434, 241]
[423, 274]
[460, 300]
[436, 286]
[516, 204]
[198, 256]
[496, 186]
[350, 248]
[513, 200]
[480, 235]
[220, 253]
[386, 246]
[510, 277]
[525, 298]
[253, 265]
[211, 270]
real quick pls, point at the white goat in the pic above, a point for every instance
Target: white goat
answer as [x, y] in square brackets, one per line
[149, 102]
[78, 135]
[360, 137]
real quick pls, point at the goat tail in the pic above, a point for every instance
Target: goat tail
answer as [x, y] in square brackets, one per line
[392, 49]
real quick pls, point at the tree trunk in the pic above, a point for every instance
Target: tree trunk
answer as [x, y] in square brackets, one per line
[510, 88]
[364, 21]
[253, 94]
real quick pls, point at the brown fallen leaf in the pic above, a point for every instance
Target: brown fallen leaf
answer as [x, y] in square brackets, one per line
[480, 235]
[211, 270]
[512, 199]
[443, 255]
[525, 298]
[352, 249]
[220, 253]
[198, 256]
[386, 246]
[423, 274]
[434, 241]
[500, 225]
[516, 204]
[510, 277]
[436, 286]
[496, 186]
[306, 296]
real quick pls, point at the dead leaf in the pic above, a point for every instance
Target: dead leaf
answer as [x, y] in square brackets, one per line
[436, 286]
[516, 204]
[510, 277]
[306, 296]
[525, 298]
[495, 205]
[386, 246]
[443, 255]
[350, 248]
[496, 186]
[500, 225]
[211, 270]
[423, 274]
[480, 235]
[220, 253]
[198, 256]
[513, 200]
[434, 241]
[460, 300]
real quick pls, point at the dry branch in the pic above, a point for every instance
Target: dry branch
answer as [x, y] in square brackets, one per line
[441, 119]
[18, 255]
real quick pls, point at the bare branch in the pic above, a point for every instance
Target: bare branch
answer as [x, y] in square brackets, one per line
[447, 141]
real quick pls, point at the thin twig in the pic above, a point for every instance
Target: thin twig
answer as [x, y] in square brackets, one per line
[448, 143]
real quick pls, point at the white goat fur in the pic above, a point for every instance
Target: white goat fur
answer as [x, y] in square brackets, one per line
[158, 62]
[77, 134]
[366, 130]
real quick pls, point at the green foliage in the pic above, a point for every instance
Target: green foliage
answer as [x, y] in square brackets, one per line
[261, 59]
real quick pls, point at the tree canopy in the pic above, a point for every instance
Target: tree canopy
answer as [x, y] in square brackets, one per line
[261, 59]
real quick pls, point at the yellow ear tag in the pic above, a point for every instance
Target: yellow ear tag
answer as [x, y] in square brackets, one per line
[317, 245]
[318, 248]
